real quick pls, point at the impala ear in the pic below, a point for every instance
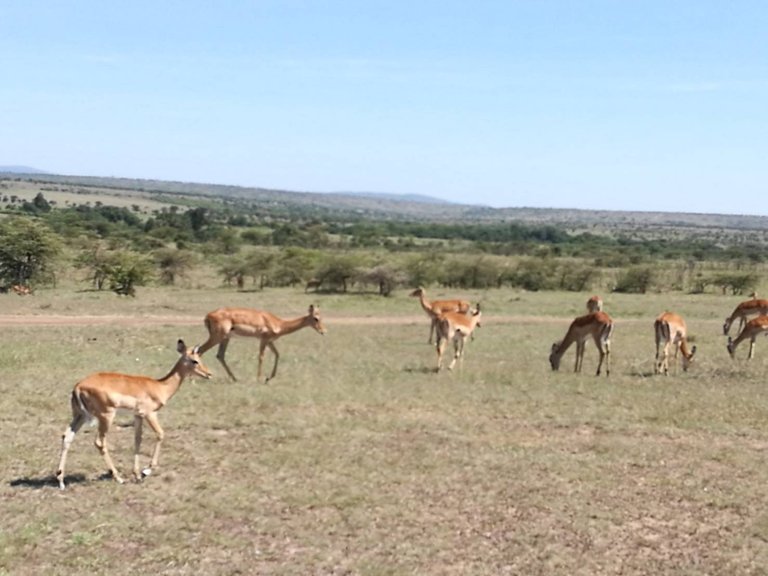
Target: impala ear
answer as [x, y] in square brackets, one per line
[312, 308]
[180, 346]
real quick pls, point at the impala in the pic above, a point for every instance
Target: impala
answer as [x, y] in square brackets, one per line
[595, 304]
[224, 323]
[437, 308]
[597, 325]
[101, 395]
[743, 311]
[313, 284]
[752, 330]
[671, 330]
[21, 289]
[456, 327]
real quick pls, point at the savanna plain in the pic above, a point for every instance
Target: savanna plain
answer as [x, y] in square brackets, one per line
[359, 459]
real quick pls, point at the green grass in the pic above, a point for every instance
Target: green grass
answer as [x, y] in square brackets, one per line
[359, 459]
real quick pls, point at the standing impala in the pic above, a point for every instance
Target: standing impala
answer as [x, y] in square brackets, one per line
[224, 323]
[670, 328]
[437, 308]
[752, 330]
[743, 311]
[100, 395]
[457, 327]
[597, 325]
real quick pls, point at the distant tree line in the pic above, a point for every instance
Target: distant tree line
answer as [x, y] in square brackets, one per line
[118, 248]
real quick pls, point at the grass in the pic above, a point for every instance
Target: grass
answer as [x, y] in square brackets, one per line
[359, 459]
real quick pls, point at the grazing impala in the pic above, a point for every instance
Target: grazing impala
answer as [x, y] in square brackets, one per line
[752, 330]
[224, 323]
[456, 327]
[437, 308]
[743, 311]
[100, 395]
[594, 304]
[671, 330]
[597, 325]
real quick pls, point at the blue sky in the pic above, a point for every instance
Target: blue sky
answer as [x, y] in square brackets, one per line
[595, 104]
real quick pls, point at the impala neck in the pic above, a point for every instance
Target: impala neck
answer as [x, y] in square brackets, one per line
[426, 304]
[288, 326]
[172, 381]
[569, 339]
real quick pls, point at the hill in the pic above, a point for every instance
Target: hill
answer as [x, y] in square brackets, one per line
[20, 170]
[379, 206]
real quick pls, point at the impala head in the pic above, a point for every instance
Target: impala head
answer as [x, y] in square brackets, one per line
[726, 326]
[688, 358]
[595, 304]
[314, 319]
[554, 357]
[730, 346]
[417, 293]
[192, 362]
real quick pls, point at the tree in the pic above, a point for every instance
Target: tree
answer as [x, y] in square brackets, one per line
[295, 266]
[173, 263]
[259, 266]
[126, 271]
[384, 276]
[38, 206]
[27, 251]
[636, 280]
[338, 271]
[96, 260]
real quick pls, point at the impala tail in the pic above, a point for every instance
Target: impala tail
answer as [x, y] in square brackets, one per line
[78, 406]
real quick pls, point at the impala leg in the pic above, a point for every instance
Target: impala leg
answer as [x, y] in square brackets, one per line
[751, 349]
[456, 353]
[601, 353]
[579, 356]
[440, 347]
[271, 346]
[220, 354]
[66, 441]
[138, 423]
[154, 423]
[432, 329]
[105, 421]
[604, 347]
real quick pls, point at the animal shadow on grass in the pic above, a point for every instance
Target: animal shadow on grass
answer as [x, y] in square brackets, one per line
[50, 480]
[418, 370]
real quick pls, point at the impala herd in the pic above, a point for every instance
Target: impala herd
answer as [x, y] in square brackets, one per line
[100, 395]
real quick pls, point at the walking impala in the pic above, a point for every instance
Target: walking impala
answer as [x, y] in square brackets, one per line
[743, 311]
[752, 330]
[670, 328]
[437, 308]
[456, 327]
[100, 395]
[598, 326]
[224, 323]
